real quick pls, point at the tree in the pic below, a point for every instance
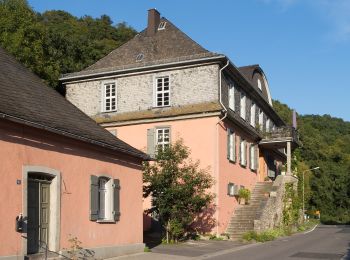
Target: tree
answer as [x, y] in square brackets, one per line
[179, 189]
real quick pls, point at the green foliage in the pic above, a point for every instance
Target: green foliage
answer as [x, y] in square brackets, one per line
[267, 235]
[244, 194]
[291, 206]
[55, 42]
[179, 189]
[147, 249]
[326, 144]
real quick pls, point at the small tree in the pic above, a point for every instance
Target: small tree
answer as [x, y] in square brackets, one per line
[179, 189]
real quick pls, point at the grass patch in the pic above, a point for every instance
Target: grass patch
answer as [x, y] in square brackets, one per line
[147, 249]
[272, 234]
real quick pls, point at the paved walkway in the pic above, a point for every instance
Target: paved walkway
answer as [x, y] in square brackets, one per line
[187, 250]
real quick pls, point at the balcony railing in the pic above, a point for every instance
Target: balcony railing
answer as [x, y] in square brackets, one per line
[282, 133]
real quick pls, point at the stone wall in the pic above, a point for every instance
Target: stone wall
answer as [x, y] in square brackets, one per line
[272, 212]
[135, 93]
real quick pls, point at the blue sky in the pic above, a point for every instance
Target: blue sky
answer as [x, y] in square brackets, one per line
[303, 46]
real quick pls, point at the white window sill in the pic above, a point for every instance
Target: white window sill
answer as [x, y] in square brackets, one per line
[105, 221]
[161, 106]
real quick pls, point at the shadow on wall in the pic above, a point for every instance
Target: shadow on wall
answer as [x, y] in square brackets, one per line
[205, 222]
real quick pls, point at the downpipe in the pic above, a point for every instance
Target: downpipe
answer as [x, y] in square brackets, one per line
[220, 92]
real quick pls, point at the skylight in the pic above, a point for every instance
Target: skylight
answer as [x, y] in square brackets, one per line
[139, 57]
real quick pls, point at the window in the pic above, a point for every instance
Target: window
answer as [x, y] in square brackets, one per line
[231, 145]
[162, 92]
[104, 199]
[161, 26]
[259, 84]
[109, 97]
[243, 152]
[252, 114]
[243, 105]
[261, 118]
[162, 138]
[253, 157]
[268, 125]
[232, 189]
[231, 97]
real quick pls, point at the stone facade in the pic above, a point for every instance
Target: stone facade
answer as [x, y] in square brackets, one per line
[272, 212]
[135, 93]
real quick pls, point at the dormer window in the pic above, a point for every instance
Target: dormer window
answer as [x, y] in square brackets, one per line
[259, 84]
[161, 26]
[139, 57]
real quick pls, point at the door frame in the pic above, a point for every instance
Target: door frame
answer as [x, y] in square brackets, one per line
[55, 205]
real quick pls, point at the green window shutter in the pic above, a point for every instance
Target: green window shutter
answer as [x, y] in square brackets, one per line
[150, 142]
[93, 197]
[116, 200]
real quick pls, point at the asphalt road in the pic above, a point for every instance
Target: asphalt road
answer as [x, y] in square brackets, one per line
[325, 242]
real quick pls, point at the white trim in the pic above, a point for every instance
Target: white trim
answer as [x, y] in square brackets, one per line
[267, 89]
[165, 142]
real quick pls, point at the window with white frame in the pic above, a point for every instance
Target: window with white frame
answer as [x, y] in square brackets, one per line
[162, 92]
[243, 152]
[231, 189]
[231, 97]
[243, 105]
[268, 125]
[261, 118]
[104, 199]
[252, 114]
[253, 157]
[162, 138]
[109, 97]
[259, 84]
[231, 145]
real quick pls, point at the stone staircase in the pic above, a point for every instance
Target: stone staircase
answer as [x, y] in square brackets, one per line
[243, 218]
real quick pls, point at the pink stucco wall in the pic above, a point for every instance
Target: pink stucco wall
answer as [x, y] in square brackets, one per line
[231, 172]
[21, 145]
[208, 143]
[198, 134]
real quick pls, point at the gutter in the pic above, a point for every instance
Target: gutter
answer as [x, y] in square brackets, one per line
[100, 74]
[220, 91]
[71, 135]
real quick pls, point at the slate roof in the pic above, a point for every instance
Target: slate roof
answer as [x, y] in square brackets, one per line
[248, 71]
[167, 45]
[26, 99]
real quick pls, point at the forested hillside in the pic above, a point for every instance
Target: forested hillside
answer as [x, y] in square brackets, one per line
[56, 42]
[326, 144]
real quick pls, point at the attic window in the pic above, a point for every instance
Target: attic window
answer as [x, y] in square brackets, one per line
[140, 57]
[162, 26]
[259, 84]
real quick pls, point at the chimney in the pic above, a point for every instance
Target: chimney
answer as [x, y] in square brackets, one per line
[153, 21]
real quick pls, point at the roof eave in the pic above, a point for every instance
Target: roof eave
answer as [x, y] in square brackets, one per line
[71, 135]
[111, 72]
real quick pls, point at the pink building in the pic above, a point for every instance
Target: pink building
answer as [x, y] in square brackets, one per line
[162, 85]
[62, 174]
